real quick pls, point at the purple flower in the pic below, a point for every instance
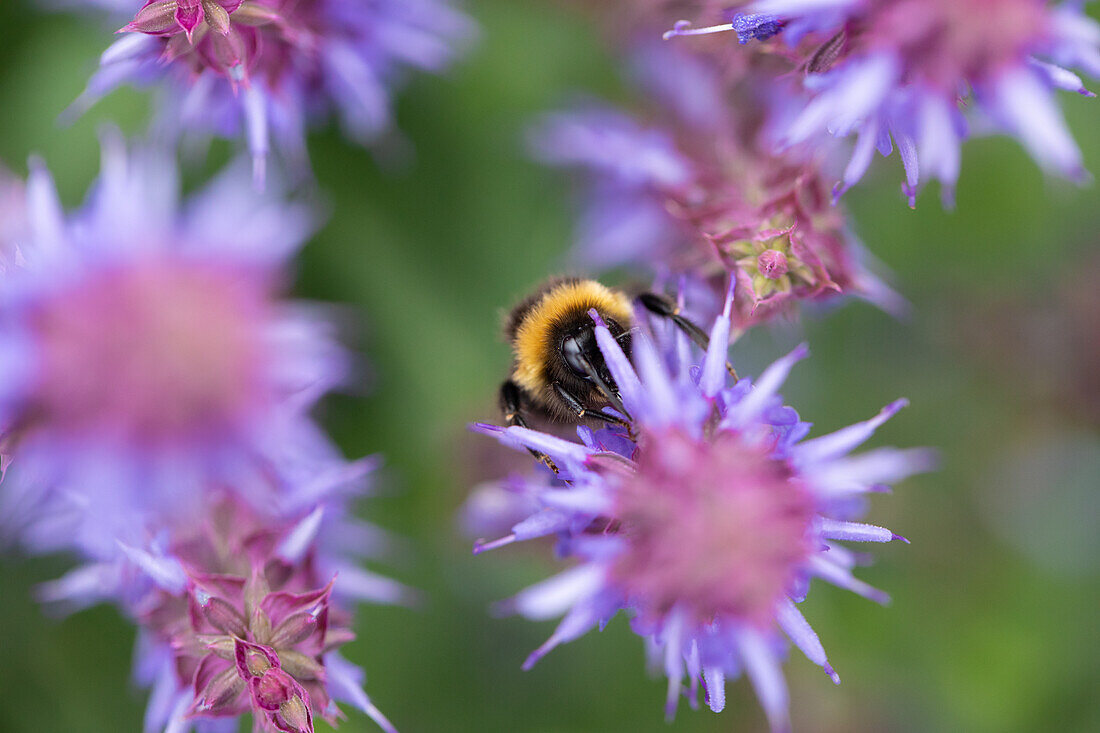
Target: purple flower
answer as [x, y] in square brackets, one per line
[147, 359]
[693, 191]
[268, 68]
[629, 168]
[154, 408]
[705, 518]
[903, 73]
[13, 221]
[494, 506]
[248, 624]
[215, 599]
[144, 350]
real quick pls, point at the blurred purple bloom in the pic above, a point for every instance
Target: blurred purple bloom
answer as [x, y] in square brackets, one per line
[902, 73]
[269, 68]
[625, 218]
[13, 220]
[705, 519]
[154, 399]
[694, 192]
[144, 350]
[493, 507]
[123, 8]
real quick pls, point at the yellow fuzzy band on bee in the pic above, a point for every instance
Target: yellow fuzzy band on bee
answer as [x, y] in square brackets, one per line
[535, 343]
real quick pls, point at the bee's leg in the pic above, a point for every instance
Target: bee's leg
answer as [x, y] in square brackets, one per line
[583, 412]
[661, 306]
[511, 404]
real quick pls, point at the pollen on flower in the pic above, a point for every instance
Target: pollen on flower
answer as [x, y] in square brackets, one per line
[755, 26]
[747, 26]
[155, 350]
[715, 527]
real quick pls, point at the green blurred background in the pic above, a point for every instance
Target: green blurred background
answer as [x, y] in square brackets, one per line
[994, 625]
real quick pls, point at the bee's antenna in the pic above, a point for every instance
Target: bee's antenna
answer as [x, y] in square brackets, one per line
[665, 308]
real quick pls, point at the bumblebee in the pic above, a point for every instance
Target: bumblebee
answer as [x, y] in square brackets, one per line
[558, 369]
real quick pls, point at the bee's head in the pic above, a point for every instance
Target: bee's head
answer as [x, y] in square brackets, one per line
[554, 342]
[581, 353]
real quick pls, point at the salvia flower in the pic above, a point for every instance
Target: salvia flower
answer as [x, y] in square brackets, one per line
[906, 73]
[13, 220]
[245, 622]
[705, 518]
[264, 69]
[154, 417]
[693, 192]
[144, 350]
[255, 628]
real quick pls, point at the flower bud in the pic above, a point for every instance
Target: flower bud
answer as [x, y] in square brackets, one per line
[294, 629]
[220, 695]
[301, 666]
[772, 264]
[220, 614]
[253, 660]
[284, 700]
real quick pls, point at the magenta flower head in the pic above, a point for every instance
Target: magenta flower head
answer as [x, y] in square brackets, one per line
[902, 72]
[692, 191]
[267, 68]
[704, 518]
[237, 618]
[144, 352]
